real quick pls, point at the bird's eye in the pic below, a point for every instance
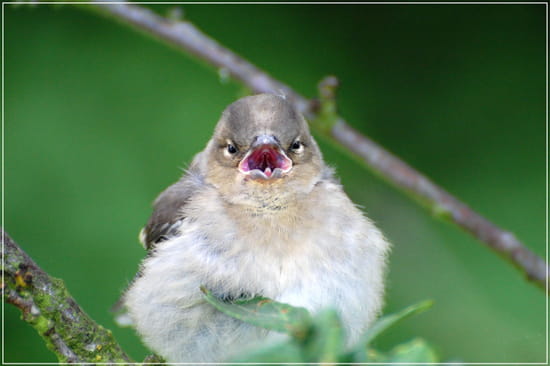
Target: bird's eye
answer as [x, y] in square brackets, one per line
[231, 149]
[296, 146]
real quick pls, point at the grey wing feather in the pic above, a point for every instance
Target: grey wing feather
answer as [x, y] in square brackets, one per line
[168, 213]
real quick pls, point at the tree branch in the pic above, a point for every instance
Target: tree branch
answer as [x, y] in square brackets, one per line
[46, 304]
[186, 37]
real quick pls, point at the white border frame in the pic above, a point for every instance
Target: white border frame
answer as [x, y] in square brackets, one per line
[279, 3]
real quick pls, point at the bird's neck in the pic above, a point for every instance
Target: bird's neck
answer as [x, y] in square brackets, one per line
[267, 202]
[267, 221]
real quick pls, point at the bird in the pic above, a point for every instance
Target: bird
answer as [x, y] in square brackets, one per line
[256, 213]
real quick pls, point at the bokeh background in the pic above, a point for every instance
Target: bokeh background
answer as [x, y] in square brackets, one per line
[99, 119]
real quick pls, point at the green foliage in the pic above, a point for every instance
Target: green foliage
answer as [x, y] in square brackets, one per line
[319, 339]
[264, 313]
[387, 321]
[416, 350]
[325, 341]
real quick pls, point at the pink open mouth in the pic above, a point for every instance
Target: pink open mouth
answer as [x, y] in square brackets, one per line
[265, 162]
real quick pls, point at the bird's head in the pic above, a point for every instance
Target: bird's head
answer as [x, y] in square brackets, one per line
[262, 145]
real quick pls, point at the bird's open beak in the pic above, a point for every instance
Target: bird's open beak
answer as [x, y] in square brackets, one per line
[265, 159]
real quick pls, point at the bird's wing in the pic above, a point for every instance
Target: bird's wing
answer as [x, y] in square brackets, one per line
[168, 213]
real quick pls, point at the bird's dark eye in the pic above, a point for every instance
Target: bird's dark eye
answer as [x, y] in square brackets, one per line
[231, 149]
[296, 145]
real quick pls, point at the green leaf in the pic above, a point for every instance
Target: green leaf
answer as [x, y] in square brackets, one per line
[319, 339]
[287, 352]
[265, 313]
[388, 321]
[414, 351]
[325, 340]
[359, 352]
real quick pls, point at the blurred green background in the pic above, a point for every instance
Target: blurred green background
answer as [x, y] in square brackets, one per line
[99, 119]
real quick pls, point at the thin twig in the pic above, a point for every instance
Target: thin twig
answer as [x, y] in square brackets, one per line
[185, 36]
[46, 305]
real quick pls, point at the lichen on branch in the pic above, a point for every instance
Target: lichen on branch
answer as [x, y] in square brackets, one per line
[46, 304]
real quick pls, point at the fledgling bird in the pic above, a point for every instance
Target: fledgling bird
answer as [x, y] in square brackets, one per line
[258, 213]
